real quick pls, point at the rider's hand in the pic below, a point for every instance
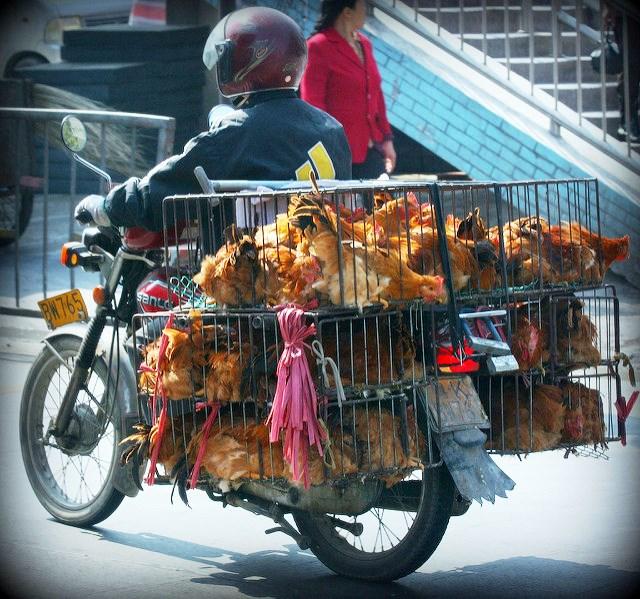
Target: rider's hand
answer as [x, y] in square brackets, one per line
[91, 210]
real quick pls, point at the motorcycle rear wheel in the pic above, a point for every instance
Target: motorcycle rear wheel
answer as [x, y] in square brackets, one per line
[411, 536]
[71, 478]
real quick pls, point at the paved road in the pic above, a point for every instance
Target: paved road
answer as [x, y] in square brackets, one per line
[39, 255]
[570, 528]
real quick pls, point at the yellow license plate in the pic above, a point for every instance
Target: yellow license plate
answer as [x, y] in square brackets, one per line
[63, 309]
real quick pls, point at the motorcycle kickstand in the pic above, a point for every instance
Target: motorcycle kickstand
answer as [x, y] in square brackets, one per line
[270, 510]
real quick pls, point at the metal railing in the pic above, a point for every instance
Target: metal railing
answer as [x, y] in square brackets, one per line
[128, 133]
[563, 26]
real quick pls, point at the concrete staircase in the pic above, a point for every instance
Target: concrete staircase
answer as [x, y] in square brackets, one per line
[527, 48]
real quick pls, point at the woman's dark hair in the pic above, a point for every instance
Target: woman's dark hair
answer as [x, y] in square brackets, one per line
[329, 11]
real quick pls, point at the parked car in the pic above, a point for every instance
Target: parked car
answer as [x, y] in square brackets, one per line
[31, 30]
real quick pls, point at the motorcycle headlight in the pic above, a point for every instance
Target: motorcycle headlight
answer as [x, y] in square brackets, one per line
[55, 27]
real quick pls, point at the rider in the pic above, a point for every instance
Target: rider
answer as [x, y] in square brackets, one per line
[260, 55]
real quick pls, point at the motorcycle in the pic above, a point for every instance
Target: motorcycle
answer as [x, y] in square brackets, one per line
[81, 400]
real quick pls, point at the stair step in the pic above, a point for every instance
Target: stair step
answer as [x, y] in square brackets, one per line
[455, 4]
[519, 44]
[613, 121]
[518, 18]
[472, 19]
[568, 95]
[543, 69]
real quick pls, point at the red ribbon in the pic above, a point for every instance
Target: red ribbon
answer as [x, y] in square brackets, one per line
[295, 404]
[159, 389]
[624, 409]
[206, 431]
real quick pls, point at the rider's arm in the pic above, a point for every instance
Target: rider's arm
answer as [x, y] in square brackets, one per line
[138, 202]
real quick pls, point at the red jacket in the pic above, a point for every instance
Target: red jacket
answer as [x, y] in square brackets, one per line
[337, 82]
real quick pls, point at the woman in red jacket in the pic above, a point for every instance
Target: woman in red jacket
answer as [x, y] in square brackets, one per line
[342, 79]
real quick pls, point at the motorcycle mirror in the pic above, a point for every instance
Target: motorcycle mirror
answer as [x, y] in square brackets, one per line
[218, 113]
[74, 137]
[74, 133]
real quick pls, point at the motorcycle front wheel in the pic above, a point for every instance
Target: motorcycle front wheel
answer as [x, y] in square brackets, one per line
[71, 476]
[385, 544]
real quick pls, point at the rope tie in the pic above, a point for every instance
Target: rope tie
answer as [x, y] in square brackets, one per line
[324, 361]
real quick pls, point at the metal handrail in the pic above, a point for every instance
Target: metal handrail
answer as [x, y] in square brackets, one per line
[166, 125]
[557, 119]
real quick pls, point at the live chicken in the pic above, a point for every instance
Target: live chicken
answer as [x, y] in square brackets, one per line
[353, 274]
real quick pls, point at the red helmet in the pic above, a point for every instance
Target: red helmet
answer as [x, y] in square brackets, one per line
[256, 49]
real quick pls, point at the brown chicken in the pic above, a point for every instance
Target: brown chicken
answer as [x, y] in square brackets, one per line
[241, 451]
[278, 234]
[576, 337]
[380, 444]
[181, 366]
[548, 408]
[404, 283]
[421, 251]
[361, 441]
[529, 339]
[426, 217]
[287, 275]
[140, 445]
[472, 228]
[584, 422]
[357, 225]
[229, 277]
[520, 422]
[392, 215]
[242, 273]
[353, 274]
[606, 249]
[522, 244]
[564, 253]
[206, 360]
[473, 234]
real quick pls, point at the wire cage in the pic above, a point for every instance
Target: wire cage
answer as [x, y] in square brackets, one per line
[530, 414]
[567, 347]
[384, 274]
[551, 235]
[564, 332]
[359, 245]
[365, 368]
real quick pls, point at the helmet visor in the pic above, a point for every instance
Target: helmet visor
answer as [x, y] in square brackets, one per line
[215, 46]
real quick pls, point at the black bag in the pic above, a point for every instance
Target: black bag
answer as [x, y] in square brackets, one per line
[612, 57]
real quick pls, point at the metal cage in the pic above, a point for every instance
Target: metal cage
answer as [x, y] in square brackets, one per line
[383, 272]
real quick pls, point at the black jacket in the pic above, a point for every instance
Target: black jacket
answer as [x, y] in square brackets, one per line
[268, 139]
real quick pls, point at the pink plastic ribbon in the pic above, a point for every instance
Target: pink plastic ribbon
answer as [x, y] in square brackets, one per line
[295, 404]
[206, 431]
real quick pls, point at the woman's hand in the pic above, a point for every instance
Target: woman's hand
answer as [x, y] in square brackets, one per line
[389, 153]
